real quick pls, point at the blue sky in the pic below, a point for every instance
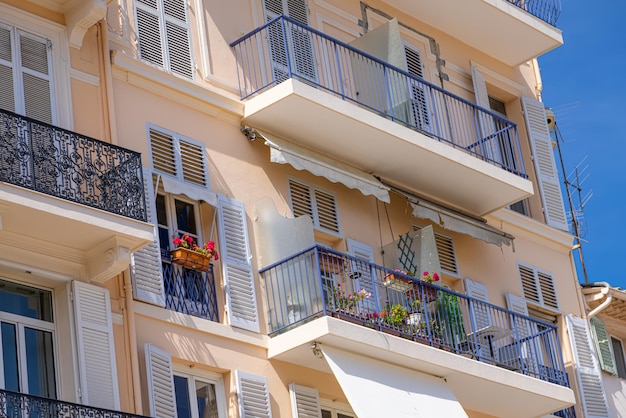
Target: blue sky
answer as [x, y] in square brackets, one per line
[584, 82]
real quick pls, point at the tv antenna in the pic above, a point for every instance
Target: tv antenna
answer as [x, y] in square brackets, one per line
[574, 191]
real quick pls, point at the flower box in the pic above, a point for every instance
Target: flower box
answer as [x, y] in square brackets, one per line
[398, 283]
[191, 259]
[426, 294]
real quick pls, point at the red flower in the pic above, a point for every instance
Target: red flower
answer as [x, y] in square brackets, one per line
[435, 277]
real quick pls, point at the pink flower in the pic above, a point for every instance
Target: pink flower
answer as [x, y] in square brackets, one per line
[435, 277]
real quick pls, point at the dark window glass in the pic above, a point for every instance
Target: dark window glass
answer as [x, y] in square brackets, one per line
[181, 390]
[25, 301]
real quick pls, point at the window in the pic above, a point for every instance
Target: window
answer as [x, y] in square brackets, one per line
[26, 78]
[445, 251]
[618, 353]
[335, 410]
[163, 31]
[179, 157]
[319, 204]
[27, 340]
[199, 396]
[538, 287]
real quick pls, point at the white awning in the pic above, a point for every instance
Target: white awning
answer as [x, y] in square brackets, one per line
[378, 389]
[283, 152]
[460, 223]
[174, 186]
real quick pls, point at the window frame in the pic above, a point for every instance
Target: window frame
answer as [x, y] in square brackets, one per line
[620, 367]
[336, 407]
[61, 100]
[21, 322]
[204, 376]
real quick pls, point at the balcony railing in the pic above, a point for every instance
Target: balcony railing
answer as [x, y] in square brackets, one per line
[70, 166]
[190, 292]
[546, 10]
[318, 282]
[20, 405]
[284, 48]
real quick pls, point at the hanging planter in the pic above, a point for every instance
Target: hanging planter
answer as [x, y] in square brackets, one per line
[191, 259]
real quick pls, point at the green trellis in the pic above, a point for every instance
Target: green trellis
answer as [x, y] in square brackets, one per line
[407, 255]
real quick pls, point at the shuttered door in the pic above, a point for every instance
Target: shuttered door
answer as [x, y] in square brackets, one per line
[160, 379]
[96, 349]
[588, 373]
[480, 314]
[253, 395]
[545, 166]
[236, 266]
[364, 279]
[146, 267]
[487, 144]
[305, 402]
[603, 345]
[419, 105]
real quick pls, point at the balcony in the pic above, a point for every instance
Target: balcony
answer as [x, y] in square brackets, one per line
[486, 354]
[511, 31]
[378, 118]
[76, 200]
[190, 292]
[20, 405]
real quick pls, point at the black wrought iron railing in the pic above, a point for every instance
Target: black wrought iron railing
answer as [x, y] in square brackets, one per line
[21, 405]
[546, 10]
[191, 292]
[284, 48]
[70, 166]
[320, 281]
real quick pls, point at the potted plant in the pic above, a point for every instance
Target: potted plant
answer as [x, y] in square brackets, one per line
[394, 315]
[192, 256]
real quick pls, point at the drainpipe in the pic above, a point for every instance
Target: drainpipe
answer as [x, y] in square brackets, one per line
[132, 337]
[609, 297]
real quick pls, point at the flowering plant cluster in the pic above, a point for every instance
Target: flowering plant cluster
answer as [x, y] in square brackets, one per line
[341, 300]
[430, 278]
[394, 315]
[187, 242]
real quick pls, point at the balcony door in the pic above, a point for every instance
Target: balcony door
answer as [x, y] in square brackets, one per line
[419, 113]
[27, 340]
[294, 52]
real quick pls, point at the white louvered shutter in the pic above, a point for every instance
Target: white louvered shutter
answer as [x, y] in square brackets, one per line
[363, 271]
[603, 345]
[163, 32]
[305, 402]
[490, 148]
[518, 305]
[588, 373]
[146, 267]
[253, 395]
[178, 157]
[447, 254]
[419, 103]
[7, 81]
[96, 349]
[545, 166]
[317, 203]
[161, 396]
[236, 266]
[480, 312]
[538, 287]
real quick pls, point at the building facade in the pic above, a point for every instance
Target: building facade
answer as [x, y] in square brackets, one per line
[378, 180]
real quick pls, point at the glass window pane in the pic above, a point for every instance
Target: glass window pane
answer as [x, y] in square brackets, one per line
[181, 390]
[160, 210]
[185, 217]
[207, 400]
[25, 301]
[340, 415]
[618, 353]
[326, 414]
[9, 357]
[40, 363]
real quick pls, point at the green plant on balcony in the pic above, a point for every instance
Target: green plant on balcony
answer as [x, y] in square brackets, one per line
[346, 302]
[449, 323]
[394, 315]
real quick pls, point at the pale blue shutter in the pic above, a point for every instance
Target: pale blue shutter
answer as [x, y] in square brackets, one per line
[236, 265]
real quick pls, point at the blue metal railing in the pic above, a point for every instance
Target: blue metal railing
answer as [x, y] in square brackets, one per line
[190, 292]
[319, 281]
[284, 48]
[70, 166]
[546, 10]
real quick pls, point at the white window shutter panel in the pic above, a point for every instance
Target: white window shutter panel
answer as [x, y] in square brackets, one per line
[594, 402]
[253, 395]
[518, 305]
[297, 10]
[603, 345]
[305, 402]
[545, 166]
[363, 272]
[96, 349]
[480, 88]
[177, 38]
[149, 32]
[236, 266]
[37, 78]
[7, 81]
[161, 396]
[481, 315]
[146, 267]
